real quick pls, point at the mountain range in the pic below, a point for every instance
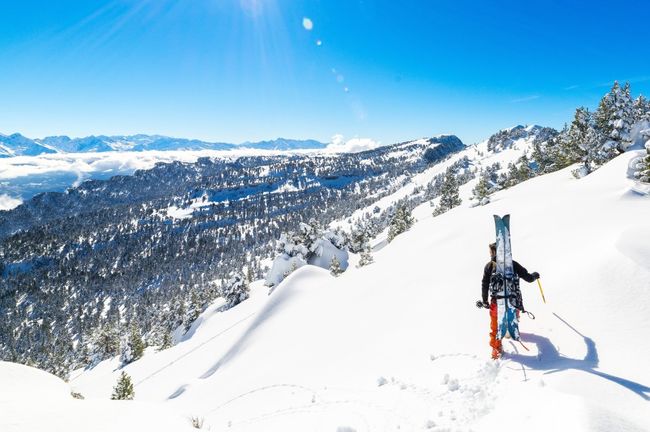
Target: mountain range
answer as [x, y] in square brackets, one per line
[19, 145]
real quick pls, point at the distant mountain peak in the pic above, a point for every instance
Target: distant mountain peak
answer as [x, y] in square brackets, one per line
[19, 145]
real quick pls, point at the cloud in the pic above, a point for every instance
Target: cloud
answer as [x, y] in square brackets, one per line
[525, 99]
[354, 145]
[25, 176]
[7, 202]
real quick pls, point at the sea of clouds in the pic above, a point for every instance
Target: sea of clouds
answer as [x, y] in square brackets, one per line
[22, 177]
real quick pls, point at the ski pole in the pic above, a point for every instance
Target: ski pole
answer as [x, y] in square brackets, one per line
[541, 290]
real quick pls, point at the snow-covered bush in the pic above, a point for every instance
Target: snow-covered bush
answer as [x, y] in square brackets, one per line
[197, 422]
[311, 245]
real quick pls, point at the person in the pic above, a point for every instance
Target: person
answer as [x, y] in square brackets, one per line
[489, 269]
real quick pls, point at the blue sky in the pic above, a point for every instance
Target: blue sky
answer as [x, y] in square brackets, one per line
[238, 70]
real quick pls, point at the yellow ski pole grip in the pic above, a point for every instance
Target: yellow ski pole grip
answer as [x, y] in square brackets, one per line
[541, 290]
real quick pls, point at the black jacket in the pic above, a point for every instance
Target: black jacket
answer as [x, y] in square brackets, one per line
[487, 273]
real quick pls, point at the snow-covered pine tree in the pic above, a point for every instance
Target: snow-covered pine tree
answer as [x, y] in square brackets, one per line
[482, 190]
[613, 120]
[166, 341]
[335, 267]
[135, 346]
[524, 171]
[554, 157]
[449, 196]
[401, 222]
[194, 309]
[107, 342]
[623, 118]
[643, 167]
[310, 235]
[366, 258]
[582, 143]
[605, 110]
[645, 172]
[574, 146]
[357, 238]
[641, 109]
[236, 290]
[123, 390]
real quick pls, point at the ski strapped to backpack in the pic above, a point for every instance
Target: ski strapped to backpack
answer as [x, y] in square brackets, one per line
[504, 283]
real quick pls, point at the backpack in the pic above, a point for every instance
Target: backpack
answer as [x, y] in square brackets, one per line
[499, 284]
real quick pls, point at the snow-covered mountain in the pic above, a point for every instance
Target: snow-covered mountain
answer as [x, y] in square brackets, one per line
[399, 344]
[285, 144]
[205, 218]
[18, 145]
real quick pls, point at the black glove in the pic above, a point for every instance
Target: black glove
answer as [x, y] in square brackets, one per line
[481, 304]
[535, 275]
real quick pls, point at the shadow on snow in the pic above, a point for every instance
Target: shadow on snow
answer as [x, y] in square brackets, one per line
[551, 361]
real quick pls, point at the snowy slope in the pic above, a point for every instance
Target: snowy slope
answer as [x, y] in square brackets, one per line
[478, 155]
[400, 344]
[33, 400]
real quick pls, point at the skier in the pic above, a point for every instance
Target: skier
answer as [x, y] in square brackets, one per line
[490, 268]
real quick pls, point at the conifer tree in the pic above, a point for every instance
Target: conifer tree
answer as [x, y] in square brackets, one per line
[482, 190]
[108, 342]
[335, 267]
[366, 258]
[641, 108]
[623, 118]
[449, 195]
[134, 347]
[524, 171]
[401, 222]
[558, 154]
[358, 238]
[123, 390]
[194, 309]
[575, 146]
[613, 121]
[604, 113]
[166, 341]
[236, 290]
[643, 173]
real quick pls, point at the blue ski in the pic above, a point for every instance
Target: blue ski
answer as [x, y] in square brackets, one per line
[505, 283]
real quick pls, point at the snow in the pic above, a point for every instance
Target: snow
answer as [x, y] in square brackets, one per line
[324, 251]
[25, 388]
[477, 154]
[176, 212]
[180, 213]
[399, 344]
